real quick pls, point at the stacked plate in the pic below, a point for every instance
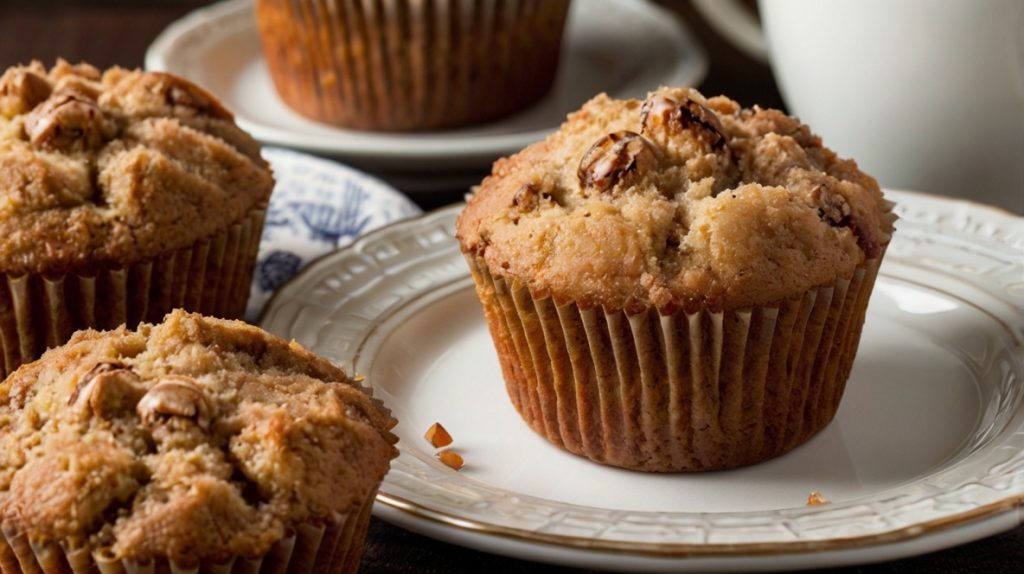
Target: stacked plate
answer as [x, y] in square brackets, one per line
[622, 47]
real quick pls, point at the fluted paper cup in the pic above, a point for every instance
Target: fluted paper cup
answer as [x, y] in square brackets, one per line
[332, 546]
[410, 65]
[676, 392]
[212, 277]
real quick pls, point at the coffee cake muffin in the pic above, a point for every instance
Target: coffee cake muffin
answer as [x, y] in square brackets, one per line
[198, 443]
[676, 284]
[123, 195]
[407, 64]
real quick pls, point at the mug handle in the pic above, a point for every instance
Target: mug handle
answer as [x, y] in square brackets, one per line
[736, 24]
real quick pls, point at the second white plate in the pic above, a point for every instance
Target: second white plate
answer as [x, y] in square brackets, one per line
[623, 47]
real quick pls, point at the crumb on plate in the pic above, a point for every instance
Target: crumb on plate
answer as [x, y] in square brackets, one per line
[451, 459]
[816, 499]
[438, 436]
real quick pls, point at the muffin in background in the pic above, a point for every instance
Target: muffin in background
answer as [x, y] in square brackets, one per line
[410, 65]
[197, 444]
[676, 284]
[123, 195]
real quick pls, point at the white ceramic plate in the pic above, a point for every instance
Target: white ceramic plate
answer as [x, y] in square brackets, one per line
[317, 206]
[927, 450]
[623, 47]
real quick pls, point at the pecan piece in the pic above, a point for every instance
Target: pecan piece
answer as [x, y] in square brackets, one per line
[529, 198]
[816, 499]
[107, 389]
[438, 436]
[175, 397]
[21, 90]
[835, 210]
[832, 207]
[451, 459]
[68, 120]
[689, 114]
[614, 157]
[183, 97]
[526, 198]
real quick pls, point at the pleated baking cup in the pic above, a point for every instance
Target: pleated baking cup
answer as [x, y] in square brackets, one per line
[332, 546]
[410, 65]
[212, 276]
[677, 392]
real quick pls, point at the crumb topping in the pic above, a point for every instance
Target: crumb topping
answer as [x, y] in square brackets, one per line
[194, 439]
[115, 167]
[678, 201]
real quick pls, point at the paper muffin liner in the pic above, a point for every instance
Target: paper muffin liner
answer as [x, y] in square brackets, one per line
[407, 65]
[333, 545]
[677, 392]
[212, 277]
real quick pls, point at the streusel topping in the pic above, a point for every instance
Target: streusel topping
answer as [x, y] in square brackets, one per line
[194, 439]
[116, 167]
[678, 201]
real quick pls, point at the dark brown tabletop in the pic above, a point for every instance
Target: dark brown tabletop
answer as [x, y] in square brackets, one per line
[117, 32]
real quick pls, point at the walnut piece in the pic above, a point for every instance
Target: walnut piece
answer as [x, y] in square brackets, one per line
[832, 207]
[21, 90]
[107, 389]
[526, 198]
[184, 97]
[68, 121]
[175, 397]
[438, 436]
[451, 459]
[816, 499]
[661, 112]
[613, 158]
[88, 87]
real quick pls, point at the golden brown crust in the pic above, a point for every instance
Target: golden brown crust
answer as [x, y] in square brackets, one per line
[105, 170]
[677, 202]
[195, 439]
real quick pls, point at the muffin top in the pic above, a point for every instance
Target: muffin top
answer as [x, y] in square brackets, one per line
[195, 439]
[108, 169]
[679, 202]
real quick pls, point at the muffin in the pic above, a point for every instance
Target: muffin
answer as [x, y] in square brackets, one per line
[123, 195]
[410, 65]
[199, 444]
[676, 284]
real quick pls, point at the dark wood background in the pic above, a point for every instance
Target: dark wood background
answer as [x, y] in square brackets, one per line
[117, 32]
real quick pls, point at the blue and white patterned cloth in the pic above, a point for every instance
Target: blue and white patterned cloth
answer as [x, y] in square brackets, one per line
[317, 206]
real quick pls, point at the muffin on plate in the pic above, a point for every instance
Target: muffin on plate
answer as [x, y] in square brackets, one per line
[410, 65]
[123, 195]
[197, 444]
[676, 284]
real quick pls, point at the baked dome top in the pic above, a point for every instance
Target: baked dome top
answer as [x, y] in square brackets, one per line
[194, 439]
[678, 201]
[108, 169]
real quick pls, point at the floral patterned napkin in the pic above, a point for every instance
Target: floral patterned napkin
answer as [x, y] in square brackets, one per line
[317, 206]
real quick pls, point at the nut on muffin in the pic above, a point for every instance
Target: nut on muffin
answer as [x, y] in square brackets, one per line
[123, 194]
[194, 442]
[676, 283]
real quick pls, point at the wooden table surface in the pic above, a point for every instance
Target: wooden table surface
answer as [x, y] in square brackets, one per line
[117, 32]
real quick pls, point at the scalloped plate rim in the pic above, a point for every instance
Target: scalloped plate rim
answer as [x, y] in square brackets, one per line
[956, 528]
[370, 146]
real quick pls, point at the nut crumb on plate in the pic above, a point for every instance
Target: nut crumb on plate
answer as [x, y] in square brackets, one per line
[451, 459]
[438, 436]
[816, 499]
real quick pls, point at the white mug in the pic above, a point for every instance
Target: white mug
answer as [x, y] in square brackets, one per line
[924, 94]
